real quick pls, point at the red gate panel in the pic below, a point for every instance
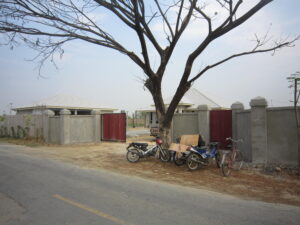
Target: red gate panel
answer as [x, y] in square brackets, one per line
[220, 126]
[114, 127]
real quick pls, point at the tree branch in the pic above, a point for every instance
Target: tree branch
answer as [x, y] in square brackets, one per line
[254, 51]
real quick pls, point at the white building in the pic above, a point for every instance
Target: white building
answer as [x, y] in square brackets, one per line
[77, 106]
[189, 103]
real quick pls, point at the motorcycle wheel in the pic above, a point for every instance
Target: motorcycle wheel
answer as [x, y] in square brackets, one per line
[225, 166]
[165, 155]
[179, 160]
[192, 161]
[133, 155]
[218, 159]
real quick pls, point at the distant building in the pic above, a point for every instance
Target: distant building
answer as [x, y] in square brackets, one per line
[189, 103]
[76, 105]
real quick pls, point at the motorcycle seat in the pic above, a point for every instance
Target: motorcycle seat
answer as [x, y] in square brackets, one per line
[202, 149]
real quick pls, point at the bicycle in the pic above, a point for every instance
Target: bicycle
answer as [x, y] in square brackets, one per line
[232, 160]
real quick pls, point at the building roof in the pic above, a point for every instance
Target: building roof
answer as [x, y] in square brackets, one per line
[192, 99]
[64, 101]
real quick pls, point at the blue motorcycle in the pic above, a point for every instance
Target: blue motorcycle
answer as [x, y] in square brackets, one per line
[200, 157]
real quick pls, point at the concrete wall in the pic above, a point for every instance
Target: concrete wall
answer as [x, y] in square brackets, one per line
[62, 129]
[67, 129]
[243, 120]
[185, 123]
[32, 123]
[192, 123]
[282, 136]
[82, 129]
[54, 130]
[269, 134]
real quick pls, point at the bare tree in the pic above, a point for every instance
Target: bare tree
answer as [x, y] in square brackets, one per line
[46, 25]
[294, 80]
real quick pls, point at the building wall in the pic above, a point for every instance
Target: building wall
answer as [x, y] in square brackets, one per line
[54, 130]
[282, 136]
[244, 132]
[184, 123]
[33, 124]
[82, 129]
[269, 134]
[62, 129]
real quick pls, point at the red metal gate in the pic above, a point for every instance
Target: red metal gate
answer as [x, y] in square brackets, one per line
[220, 126]
[114, 127]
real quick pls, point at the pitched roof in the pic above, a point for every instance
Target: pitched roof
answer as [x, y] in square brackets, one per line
[64, 101]
[192, 98]
[197, 98]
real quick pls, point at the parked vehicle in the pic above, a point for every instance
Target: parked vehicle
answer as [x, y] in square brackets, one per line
[136, 150]
[232, 160]
[180, 158]
[201, 156]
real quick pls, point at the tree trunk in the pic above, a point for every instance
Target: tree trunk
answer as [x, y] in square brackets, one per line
[165, 135]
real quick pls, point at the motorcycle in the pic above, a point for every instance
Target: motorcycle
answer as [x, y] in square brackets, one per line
[136, 150]
[201, 156]
[180, 158]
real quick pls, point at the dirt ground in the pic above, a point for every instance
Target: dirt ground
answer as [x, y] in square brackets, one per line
[249, 183]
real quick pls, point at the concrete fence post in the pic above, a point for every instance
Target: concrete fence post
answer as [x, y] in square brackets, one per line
[236, 108]
[46, 128]
[65, 126]
[259, 130]
[203, 122]
[97, 125]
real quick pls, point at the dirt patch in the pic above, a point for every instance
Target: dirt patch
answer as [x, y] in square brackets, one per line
[249, 183]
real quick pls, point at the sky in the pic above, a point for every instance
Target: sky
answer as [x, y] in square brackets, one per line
[113, 80]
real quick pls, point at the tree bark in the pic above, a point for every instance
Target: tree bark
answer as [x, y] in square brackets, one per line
[165, 133]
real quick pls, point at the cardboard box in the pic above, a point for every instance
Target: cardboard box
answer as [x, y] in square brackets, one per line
[178, 147]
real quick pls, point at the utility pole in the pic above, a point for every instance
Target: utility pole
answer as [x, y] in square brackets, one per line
[294, 79]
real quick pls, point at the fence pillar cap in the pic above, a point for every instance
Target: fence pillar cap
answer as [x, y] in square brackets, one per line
[237, 106]
[203, 108]
[49, 112]
[259, 102]
[65, 112]
[96, 112]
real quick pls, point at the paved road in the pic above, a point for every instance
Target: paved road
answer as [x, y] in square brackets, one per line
[138, 132]
[47, 192]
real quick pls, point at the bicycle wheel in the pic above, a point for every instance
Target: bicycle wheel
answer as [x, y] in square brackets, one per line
[225, 165]
[133, 155]
[192, 161]
[238, 161]
[179, 160]
[164, 155]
